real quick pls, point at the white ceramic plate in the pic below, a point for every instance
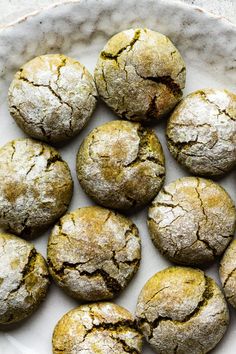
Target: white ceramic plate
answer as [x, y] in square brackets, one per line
[80, 29]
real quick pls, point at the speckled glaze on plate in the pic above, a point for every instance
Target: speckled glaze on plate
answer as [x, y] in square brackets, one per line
[80, 29]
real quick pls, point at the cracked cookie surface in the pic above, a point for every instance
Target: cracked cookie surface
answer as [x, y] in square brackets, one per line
[121, 165]
[192, 220]
[103, 328]
[201, 132]
[140, 75]
[182, 311]
[35, 187]
[93, 253]
[228, 273]
[52, 97]
[24, 279]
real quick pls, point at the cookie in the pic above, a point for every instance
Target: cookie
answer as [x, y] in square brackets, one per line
[121, 165]
[52, 97]
[103, 328]
[24, 279]
[201, 132]
[35, 187]
[140, 75]
[228, 273]
[181, 310]
[93, 253]
[192, 220]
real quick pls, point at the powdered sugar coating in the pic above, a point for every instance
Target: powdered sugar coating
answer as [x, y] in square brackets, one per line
[140, 74]
[201, 132]
[228, 273]
[121, 165]
[192, 220]
[93, 253]
[24, 279]
[103, 328]
[52, 97]
[180, 310]
[35, 187]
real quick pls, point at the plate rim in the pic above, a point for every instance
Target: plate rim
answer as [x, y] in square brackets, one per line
[171, 3]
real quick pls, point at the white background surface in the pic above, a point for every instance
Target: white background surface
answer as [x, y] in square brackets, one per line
[34, 336]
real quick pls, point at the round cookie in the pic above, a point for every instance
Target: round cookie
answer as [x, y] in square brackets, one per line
[35, 187]
[52, 97]
[121, 165]
[103, 328]
[201, 132]
[93, 253]
[24, 279]
[140, 75]
[228, 273]
[180, 310]
[192, 220]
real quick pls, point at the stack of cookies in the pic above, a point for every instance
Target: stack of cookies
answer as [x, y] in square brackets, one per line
[94, 251]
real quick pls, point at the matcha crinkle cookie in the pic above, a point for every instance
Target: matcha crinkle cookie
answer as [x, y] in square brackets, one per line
[228, 273]
[121, 165]
[103, 328]
[192, 220]
[52, 97]
[182, 311]
[140, 75]
[24, 279]
[93, 253]
[201, 132]
[35, 187]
